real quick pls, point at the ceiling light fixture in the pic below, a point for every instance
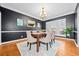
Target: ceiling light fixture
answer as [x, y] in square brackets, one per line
[43, 13]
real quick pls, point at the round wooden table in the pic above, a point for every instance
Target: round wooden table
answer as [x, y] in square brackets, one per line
[38, 35]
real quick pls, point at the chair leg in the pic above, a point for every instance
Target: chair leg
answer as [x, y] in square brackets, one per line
[30, 47]
[27, 44]
[51, 40]
[50, 45]
[54, 40]
[39, 44]
[47, 45]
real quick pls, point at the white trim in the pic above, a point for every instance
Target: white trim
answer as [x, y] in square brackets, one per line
[11, 31]
[13, 41]
[75, 43]
[16, 31]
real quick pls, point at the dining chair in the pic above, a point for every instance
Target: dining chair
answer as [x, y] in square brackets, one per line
[53, 36]
[47, 39]
[30, 40]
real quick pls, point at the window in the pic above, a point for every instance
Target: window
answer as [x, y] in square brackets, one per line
[57, 25]
[60, 23]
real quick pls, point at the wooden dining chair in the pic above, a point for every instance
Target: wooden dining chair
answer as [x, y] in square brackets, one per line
[30, 40]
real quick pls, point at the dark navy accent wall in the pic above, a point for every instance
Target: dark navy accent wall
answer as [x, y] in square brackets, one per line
[9, 19]
[43, 25]
[71, 21]
[9, 23]
[9, 36]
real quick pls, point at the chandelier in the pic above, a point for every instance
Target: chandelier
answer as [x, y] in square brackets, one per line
[43, 13]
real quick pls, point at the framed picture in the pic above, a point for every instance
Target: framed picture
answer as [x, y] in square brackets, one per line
[31, 23]
[19, 22]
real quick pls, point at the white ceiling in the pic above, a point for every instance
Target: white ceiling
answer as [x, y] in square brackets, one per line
[53, 10]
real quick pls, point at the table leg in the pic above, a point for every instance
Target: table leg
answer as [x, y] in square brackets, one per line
[37, 44]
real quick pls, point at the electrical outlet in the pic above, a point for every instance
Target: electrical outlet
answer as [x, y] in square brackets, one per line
[21, 36]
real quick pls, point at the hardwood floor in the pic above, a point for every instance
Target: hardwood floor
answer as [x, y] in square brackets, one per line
[68, 48]
[10, 49]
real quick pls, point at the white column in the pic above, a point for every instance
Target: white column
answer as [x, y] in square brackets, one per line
[0, 27]
[78, 24]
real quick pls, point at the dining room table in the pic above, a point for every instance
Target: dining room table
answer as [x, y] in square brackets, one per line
[38, 36]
